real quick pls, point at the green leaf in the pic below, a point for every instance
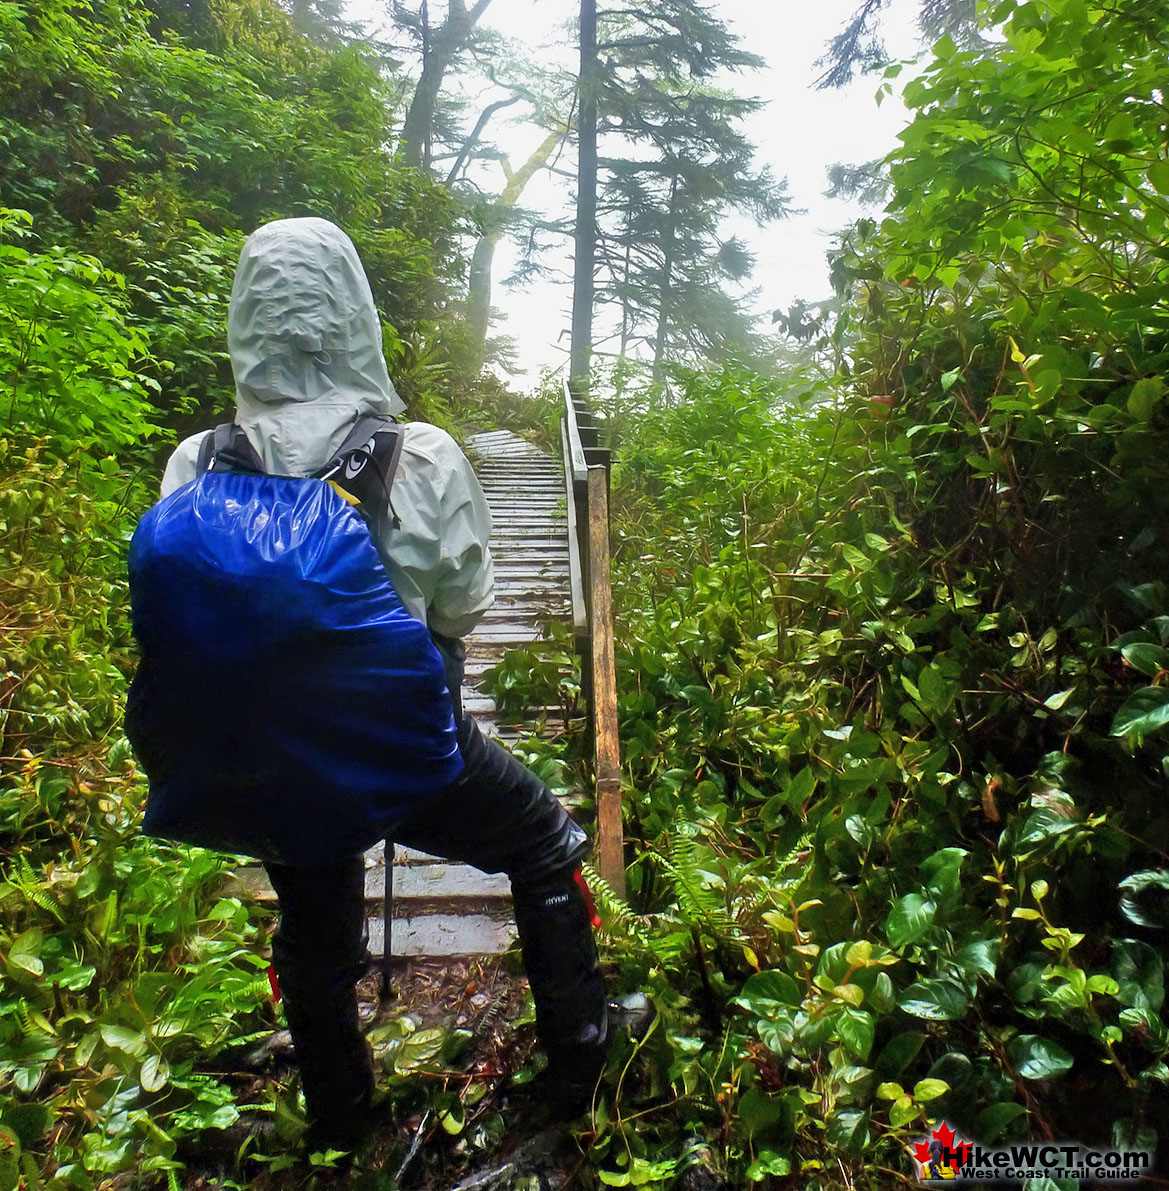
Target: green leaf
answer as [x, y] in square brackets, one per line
[995, 1118]
[902, 1111]
[25, 952]
[1038, 1058]
[763, 991]
[768, 1163]
[758, 1111]
[1145, 898]
[935, 1000]
[929, 1089]
[1140, 974]
[848, 1128]
[1146, 657]
[614, 1178]
[1158, 173]
[935, 691]
[856, 558]
[9, 1160]
[899, 1052]
[74, 976]
[883, 996]
[130, 1042]
[801, 787]
[910, 918]
[979, 958]
[28, 1121]
[155, 1073]
[1142, 401]
[856, 1029]
[859, 954]
[941, 872]
[452, 1118]
[1145, 711]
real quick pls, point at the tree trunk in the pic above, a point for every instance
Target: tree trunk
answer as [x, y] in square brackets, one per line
[586, 202]
[667, 278]
[439, 49]
[625, 311]
[479, 296]
[479, 281]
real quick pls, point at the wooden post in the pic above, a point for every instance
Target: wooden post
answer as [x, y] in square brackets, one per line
[387, 988]
[607, 756]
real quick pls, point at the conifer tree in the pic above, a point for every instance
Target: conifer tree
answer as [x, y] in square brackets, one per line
[673, 164]
[585, 247]
[440, 46]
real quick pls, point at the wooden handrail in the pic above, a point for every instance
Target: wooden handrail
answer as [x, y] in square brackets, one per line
[574, 459]
[580, 608]
[586, 480]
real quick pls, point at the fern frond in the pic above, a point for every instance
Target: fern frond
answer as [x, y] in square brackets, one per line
[797, 856]
[33, 888]
[31, 1022]
[618, 919]
[700, 905]
[257, 990]
[22, 1016]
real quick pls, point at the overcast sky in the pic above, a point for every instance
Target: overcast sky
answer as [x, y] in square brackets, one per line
[799, 133]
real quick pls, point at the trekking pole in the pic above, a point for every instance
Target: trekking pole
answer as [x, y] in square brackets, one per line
[387, 914]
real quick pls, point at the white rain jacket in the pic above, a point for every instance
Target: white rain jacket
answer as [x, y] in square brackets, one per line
[305, 343]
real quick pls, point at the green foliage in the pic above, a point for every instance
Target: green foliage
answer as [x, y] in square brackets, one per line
[870, 766]
[123, 969]
[893, 649]
[123, 964]
[892, 656]
[67, 356]
[72, 397]
[133, 165]
[159, 157]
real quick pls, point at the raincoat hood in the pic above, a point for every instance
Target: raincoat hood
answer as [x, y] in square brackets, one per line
[305, 341]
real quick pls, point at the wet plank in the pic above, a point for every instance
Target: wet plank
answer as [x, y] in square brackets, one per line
[443, 935]
[437, 882]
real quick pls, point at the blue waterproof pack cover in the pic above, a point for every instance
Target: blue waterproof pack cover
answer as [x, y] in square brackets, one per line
[287, 706]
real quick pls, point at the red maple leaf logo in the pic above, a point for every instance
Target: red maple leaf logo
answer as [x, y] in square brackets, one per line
[957, 1151]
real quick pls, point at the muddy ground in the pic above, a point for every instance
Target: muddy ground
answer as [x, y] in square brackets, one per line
[468, 1120]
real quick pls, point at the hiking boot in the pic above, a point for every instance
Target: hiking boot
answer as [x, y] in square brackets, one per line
[634, 1013]
[574, 1070]
[341, 1126]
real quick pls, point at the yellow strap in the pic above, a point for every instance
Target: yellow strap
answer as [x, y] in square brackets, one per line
[348, 497]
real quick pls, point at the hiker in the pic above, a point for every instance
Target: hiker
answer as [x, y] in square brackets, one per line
[305, 345]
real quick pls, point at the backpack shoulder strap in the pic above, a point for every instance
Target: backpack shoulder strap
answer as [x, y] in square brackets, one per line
[363, 468]
[226, 448]
[365, 427]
